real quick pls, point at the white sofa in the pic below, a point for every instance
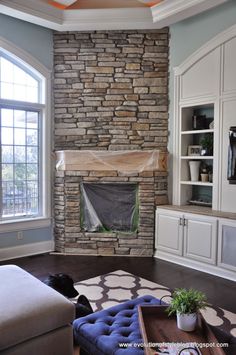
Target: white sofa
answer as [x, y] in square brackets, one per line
[34, 318]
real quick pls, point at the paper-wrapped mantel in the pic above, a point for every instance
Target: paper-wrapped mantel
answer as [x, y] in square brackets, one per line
[122, 161]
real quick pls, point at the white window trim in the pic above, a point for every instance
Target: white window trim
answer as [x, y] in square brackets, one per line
[35, 66]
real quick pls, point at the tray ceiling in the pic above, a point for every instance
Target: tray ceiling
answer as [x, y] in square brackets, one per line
[99, 4]
[86, 15]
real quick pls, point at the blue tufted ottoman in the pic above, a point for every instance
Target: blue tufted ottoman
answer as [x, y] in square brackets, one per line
[101, 333]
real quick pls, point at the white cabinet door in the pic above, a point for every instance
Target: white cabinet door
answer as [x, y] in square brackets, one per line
[200, 234]
[169, 231]
[227, 244]
[193, 80]
[227, 191]
[229, 70]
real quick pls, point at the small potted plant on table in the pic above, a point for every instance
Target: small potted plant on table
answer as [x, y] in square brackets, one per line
[186, 303]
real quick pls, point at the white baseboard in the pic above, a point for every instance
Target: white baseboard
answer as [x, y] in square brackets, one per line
[210, 269]
[26, 250]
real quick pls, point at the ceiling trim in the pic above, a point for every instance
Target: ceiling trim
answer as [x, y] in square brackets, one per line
[108, 19]
[163, 14]
[78, 20]
[170, 12]
[32, 11]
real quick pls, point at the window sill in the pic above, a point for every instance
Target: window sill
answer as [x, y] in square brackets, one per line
[31, 223]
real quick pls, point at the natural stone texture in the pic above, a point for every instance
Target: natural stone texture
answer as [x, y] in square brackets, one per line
[106, 251]
[110, 93]
[104, 75]
[161, 200]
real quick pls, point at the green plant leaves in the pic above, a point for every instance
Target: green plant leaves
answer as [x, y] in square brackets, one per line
[187, 301]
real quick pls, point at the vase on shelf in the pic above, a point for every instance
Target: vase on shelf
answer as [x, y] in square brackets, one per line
[204, 177]
[194, 170]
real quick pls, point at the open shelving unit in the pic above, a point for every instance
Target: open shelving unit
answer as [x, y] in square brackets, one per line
[190, 138]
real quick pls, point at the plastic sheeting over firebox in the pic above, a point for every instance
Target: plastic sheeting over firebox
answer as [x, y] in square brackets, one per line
[109, 207]
[123, 161]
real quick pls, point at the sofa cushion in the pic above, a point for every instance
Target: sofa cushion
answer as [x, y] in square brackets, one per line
[28, 307]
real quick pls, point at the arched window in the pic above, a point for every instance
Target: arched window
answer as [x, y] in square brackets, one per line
[21, 135]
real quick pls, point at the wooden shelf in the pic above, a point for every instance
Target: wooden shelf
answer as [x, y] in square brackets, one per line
[197, 157]
[198, 131]
[197, 183]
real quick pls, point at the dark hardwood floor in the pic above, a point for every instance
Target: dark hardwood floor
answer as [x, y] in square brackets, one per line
[219, 291]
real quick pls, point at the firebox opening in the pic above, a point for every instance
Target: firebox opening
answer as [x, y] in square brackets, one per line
[109, 207]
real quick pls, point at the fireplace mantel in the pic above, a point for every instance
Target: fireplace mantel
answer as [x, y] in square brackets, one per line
[122, 161]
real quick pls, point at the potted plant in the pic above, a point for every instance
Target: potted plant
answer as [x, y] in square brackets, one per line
[204, 168]
[186, 303]
[207, 144]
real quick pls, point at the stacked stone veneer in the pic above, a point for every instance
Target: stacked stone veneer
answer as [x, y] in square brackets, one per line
[110, 93]
[70, 238]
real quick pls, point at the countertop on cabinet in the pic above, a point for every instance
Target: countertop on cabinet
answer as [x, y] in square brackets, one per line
[207, 211]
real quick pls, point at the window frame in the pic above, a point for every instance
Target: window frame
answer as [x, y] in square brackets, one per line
[39, 72]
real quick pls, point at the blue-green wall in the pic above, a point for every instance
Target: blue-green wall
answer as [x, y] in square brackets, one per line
[38, 42]
[186, 37]
[29, 236]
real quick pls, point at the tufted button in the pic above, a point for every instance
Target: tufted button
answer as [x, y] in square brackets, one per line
[125, 334]
[112, 314]
[126, 324]
[147, 300]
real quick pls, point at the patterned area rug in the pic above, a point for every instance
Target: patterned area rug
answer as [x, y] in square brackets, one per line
[119, 286]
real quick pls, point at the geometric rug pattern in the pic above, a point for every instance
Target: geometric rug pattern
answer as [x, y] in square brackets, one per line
[108, 290]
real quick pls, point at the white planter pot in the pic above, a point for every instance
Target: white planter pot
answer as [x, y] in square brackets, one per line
[194, 170]
[187, 322]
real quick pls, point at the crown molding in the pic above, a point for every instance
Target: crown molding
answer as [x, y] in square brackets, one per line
[158, 16]
[108, 19]
[32, 11]
[78, 20]
[172, 11]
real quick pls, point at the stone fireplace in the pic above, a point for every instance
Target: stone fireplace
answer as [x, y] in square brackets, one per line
[145, 169]
[111, 110]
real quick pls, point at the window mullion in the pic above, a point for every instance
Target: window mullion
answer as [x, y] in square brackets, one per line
[21, 104]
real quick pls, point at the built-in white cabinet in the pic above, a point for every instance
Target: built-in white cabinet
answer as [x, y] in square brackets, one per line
[229, 70]
[200, 236]
[188, 235]
[202, 242]
[201, 79]
[227, 244]
[169, 231]
[227, 195]
[204, 107]
[205, 84]
[196, 139]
